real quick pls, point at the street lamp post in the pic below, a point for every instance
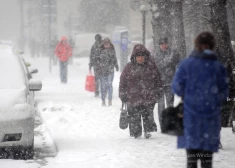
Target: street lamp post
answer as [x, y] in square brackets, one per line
[143, 10]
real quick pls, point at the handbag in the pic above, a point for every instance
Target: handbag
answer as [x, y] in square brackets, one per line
[227, 113]
[172, 120]
[90, 82]
[124, 118]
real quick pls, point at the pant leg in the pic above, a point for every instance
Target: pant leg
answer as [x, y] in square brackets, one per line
[169, 96]
[148, 119]
[135, 125]
[61, 71]
[97, 83]
[110, 86]
[206, 159]
[65, 71]
[161, 107]
[192, 158]
[103, 82]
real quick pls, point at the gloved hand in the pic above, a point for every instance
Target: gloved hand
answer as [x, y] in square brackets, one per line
[117, 68]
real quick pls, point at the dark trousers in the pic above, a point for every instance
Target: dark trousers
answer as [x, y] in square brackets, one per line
[204, 156]
[63, 71]
[166, 93]
[135, 124]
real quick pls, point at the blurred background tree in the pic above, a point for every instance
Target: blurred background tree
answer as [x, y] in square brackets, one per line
[95, 15]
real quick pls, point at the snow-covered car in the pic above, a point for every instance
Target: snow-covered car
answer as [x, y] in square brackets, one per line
[17, 109]
[84, 42]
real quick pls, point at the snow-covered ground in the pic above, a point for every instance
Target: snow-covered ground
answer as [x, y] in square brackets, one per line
[87, 135]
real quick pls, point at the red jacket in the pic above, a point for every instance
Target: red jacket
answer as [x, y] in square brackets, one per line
[63, 50]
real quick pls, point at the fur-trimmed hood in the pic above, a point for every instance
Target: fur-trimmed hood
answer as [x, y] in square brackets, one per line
[139, 50]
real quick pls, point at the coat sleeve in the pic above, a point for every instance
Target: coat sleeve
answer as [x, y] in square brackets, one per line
[158, 83]
[176, 58]
[92, 57]
[179, 80]
[115, 60]
[123, 82]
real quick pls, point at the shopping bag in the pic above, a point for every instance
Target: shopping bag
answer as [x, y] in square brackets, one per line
[227, 113]
[90, 83]
[172, 120]
[124, 118]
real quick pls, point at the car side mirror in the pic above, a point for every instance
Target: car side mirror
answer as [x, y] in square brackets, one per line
[33, 71]
[35, 85]
[27, 64]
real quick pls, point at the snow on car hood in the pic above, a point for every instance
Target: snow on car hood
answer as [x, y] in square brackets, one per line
[10, 97]
[16, 113]
[13, 105]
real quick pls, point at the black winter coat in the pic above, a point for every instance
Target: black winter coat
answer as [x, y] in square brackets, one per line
[107, 61]
[95, 56]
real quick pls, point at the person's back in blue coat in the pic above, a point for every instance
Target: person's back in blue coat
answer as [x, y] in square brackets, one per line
[201, 81]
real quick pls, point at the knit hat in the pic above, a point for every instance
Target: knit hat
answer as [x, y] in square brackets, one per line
[98, 37]
[163, 40]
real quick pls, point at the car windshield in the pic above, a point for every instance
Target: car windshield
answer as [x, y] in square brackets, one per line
[11, 72]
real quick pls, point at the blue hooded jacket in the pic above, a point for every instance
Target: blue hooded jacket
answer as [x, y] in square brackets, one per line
[202, 82]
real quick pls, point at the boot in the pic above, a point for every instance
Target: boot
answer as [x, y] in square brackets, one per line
[110, 102]
[147, 135]
[138, 136]
[103, 103]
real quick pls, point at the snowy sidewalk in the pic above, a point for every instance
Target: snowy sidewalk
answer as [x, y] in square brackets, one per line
[88, 135]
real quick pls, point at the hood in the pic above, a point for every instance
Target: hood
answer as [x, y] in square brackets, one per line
[139, 49]
[63, 39]
[10, 97]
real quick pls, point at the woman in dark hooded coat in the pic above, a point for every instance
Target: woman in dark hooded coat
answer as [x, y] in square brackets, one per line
[139, 86]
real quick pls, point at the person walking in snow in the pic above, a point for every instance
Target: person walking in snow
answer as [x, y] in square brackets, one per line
[94, 62]
[201, 81]
[107, 62]
[63, 51]
[139, 88]
[166, 60]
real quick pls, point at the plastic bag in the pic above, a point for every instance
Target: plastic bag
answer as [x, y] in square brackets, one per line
[90, 83]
